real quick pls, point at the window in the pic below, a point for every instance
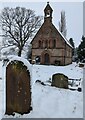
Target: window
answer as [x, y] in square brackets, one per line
[48, 13]
[54, 43]
[46, 44]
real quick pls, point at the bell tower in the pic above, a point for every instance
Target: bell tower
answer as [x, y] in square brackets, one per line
[48, 12]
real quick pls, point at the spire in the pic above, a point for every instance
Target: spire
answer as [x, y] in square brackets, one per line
[48, 12]
[47, 2]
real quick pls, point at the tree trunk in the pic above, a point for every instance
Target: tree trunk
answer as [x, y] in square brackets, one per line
[19, 52]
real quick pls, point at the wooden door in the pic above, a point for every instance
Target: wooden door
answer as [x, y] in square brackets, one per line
[46, 59]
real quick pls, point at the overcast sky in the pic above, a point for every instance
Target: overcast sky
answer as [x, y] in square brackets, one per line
[73, 11]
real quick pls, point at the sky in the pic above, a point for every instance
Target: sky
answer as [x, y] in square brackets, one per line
[73, 12]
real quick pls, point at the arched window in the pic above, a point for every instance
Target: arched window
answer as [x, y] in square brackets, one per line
[54, 43]
[46, 44]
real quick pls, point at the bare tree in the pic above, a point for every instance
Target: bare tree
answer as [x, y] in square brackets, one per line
[62, 24]
[18, 25]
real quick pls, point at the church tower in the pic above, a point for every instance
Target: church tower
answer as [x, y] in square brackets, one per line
[48, 13]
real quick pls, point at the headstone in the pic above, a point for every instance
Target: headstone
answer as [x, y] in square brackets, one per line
[18, 89]
[81, 65]
[60, 81]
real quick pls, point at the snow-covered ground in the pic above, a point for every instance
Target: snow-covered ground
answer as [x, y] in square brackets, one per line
[51, 102]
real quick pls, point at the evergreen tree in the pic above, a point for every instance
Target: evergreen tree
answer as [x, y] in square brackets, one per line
[81, 49]
[62, 24]
[73, 45]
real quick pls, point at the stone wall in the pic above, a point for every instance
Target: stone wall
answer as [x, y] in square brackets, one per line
[44, 42]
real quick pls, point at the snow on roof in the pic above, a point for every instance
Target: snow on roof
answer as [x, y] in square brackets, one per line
[59, 33]
[65, 39]
[26, 62]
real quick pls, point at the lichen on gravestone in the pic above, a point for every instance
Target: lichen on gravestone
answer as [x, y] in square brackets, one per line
[60, 81]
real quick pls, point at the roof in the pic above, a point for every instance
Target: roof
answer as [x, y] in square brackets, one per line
[57, 31]
[64, 38]
[48, 7]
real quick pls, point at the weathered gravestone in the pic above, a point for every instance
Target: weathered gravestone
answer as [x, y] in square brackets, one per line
[60, 80]
[18, 90]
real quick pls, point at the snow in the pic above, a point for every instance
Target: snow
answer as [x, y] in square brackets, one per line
[46, 72]
[26, 63]
[7, 49]
[48, 101]
[65, 39]
[48, 15]
[54, 103]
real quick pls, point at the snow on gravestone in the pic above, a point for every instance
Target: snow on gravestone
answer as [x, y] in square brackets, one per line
[18, 88]
[60, 80]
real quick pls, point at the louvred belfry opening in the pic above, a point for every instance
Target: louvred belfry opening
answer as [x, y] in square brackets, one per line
[48, 12]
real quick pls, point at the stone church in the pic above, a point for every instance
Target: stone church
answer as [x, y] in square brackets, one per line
[49, 47]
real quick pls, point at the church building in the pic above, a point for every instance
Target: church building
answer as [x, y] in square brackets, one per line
[49, 46]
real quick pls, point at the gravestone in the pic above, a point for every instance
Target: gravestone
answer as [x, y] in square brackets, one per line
[18, 89]
[60, 80]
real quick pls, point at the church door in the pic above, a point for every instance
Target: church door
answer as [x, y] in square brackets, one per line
[46, 59]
